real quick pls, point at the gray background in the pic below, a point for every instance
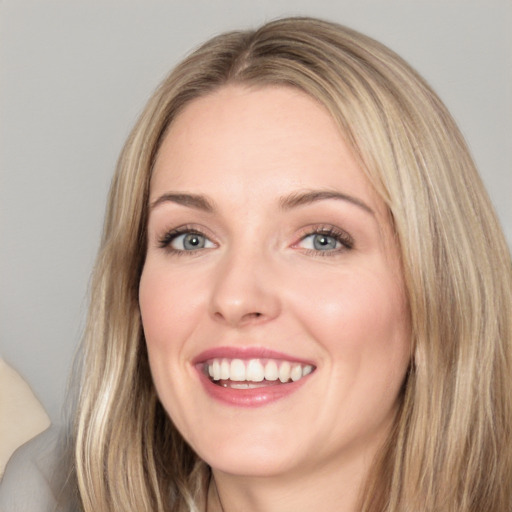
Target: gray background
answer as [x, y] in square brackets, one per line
[74, 76]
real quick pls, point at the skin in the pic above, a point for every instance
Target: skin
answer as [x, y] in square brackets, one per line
[260, 282]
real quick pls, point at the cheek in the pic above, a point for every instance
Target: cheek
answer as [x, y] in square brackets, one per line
[168, 312]
[154, 299]
[360, 319]
[361, 322]
[155, 308]
[162, 301]
[168, 305]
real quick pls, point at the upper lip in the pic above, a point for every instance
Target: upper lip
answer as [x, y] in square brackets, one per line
[230, 352]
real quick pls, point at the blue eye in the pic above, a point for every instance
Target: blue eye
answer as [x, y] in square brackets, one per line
[326, 241]
[185, 241]
[320, 242]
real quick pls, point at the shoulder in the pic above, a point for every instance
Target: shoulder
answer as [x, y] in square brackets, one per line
[27, 484]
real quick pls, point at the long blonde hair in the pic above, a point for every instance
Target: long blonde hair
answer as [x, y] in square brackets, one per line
[451, 447]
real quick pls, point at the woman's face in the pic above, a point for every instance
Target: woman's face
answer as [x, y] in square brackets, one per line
[272, 296]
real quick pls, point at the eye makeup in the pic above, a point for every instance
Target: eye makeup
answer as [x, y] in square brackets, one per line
[318, 240]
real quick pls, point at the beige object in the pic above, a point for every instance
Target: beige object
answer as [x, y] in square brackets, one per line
[21, 415]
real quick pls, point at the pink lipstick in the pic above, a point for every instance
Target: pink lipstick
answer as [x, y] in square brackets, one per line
[251, 376]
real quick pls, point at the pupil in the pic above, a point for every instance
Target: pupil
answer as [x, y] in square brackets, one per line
[193, 241]
[323, 242]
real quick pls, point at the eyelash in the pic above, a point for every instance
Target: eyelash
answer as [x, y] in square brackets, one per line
[165, 241]
[346, 241]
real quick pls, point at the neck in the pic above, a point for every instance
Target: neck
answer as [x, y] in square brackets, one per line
[333, 489]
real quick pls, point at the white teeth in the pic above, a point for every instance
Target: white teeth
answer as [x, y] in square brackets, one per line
[256, 370]
[271, 371]
[216, 369]
[284, 371]
[224, 369]
[237, 370]
[296, 372]
[239, 385]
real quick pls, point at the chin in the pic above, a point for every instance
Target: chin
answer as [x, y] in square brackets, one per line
[251, 463]
[245, 453]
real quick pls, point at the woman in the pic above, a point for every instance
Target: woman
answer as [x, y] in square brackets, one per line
[302, 296]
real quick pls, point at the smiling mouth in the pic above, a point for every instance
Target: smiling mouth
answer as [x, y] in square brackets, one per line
[254, 373]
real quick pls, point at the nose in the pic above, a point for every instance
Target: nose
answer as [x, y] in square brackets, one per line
[245, 290]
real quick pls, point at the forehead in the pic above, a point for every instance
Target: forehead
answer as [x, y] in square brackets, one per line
[256, 139]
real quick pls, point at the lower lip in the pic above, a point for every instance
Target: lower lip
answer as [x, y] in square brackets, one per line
[255, 397]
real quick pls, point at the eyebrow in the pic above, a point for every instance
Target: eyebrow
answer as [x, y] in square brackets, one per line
[288, 202]
[311, 196]
[196, 201]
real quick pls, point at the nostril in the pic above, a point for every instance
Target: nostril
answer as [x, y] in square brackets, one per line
[239, 319]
